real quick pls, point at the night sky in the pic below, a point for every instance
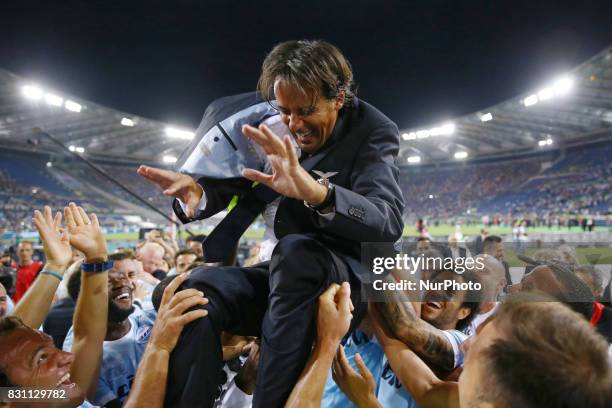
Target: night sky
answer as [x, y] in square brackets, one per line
[419, 62]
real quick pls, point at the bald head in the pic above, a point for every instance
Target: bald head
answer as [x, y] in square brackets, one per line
[492, 275]
[151, 255]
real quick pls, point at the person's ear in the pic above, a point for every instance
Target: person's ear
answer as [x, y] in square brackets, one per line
[339, 101]
[463, 313]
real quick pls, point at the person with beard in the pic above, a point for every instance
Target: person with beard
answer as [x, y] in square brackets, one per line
[436, 336]
[128, 331]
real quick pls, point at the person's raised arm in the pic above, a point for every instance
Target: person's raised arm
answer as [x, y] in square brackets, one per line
[33, 308]
[416, 377]
[149, 387]
[400, 318]
[333, 321]
[90, 317]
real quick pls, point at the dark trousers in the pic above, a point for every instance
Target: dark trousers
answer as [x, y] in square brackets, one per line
[275, 301]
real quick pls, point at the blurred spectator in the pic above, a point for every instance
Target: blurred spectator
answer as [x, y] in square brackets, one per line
[493, 245]
[183, 259]
[194, 242]
[593, 277]
[27, 270]
[3, 301]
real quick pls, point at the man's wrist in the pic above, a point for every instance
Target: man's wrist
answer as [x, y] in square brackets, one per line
[319, 195]
[55, 266]
[328, 345]
[96, 258]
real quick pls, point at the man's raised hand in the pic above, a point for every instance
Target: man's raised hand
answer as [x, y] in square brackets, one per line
[288, 177]
[176, 185]
[172, 315]
[85, 233]
[55, 239]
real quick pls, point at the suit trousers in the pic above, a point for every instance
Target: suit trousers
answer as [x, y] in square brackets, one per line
[276, 301]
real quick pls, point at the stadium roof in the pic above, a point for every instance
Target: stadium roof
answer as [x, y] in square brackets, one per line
[571, 108]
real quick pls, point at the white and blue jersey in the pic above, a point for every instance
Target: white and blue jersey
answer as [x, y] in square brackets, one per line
[372, 356]
[391, 393]
[120, 359]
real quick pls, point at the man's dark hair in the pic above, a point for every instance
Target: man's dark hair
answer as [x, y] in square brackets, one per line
[198, 238]
[186, 251]
[545, 356]
[121, 256]
[315, 67]
[7, 325]
[158, 292]
[420, 239]
[492, 239]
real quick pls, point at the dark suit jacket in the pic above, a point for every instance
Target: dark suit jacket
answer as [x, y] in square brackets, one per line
[368, 199]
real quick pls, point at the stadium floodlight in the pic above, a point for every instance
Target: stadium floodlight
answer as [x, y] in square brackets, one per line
[53, 99]
[169, 159]
[72, 148]
[563, 85]
[545, 94]
[412, 136]
[80, 149]
[49, 164]
[430, 196]
[72, 106]
[486, 117]
[422, 134]
[461, 155]
[405, 136]
[414, 159]
[530, 100]
[32, 92]
[448, 129]
[127, 122]
[179, 134]
[549, 141]
[541, 143]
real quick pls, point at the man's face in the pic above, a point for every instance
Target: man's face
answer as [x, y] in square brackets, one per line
[152, 258]
[496, 250]
[25, 252]
[120, 291]
[452, 241]
[542, 279]
[196, 247]
[29, 359]
[442, 308]
[588, 279]
[311, 122]
[6, 260]
[183, 261]
[423, 245]
[473, 376]
[3, 301]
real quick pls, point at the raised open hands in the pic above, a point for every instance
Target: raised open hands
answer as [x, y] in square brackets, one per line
[85, 233]
[288, 177]
[55, 239]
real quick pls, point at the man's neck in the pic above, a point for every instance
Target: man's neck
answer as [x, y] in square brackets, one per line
[116, 330]
[26, 263]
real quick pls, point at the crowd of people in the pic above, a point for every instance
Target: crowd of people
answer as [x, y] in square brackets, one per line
[299, 322]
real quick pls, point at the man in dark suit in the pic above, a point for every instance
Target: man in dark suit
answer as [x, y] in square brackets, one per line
[346, 144]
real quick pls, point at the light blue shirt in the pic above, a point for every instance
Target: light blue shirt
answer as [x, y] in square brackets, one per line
[372, 356]
[120, 359]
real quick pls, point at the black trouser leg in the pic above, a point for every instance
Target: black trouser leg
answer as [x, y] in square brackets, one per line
[300, 270]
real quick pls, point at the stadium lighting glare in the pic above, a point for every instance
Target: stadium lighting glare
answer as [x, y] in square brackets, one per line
[54, 100]
[405, 136]
[169, 159]
[563, 85]
[541, 143]
[448, 129]
[461, 155]
[530, 100]
[486, 117]
[80, 150]
[32, 92]
[72, 148]
[49, 164]
[414, 159]
[412, 136]
[179, 134]
[545, 94]
[549, 142]
[127, 122]
[422, 134]
[73, 106]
